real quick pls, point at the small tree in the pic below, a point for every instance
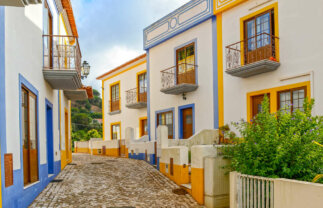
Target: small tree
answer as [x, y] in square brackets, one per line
[279, 145]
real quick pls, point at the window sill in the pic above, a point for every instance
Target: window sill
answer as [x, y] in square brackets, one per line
[30, 185]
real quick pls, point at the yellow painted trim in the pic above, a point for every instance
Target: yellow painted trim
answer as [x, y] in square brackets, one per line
[220, 69]
[115, 123]
[140, 126]
[70, 131]
[0, 183]
[60, 119]
[273, 92]
[137, 81]
[127, 69]
[229, 4]
[113, 84]
[273, 6]
[103, 115]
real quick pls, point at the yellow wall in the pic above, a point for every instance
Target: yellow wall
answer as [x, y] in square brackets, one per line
[82, 150]
[180, 175]
[197, 183]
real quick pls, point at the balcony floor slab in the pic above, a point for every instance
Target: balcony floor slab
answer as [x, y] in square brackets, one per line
[180, 89]
[255, 68]
[63, 79]
[137, 105]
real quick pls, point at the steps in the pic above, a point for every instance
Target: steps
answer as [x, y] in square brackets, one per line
[187, 187]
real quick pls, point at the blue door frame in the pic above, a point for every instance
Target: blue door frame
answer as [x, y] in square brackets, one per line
[50, 137]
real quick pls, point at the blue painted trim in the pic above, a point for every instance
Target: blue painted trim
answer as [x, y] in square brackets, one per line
[49, 135]
[3, 125]
[148, 95]
[164, 111]
[180, 118]
[24, 82]
[196, 57]
[188, 24]
[215, 74]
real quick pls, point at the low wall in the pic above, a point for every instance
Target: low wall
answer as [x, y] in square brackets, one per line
[286, 193]
[204, 137]
[174, 164]
[81, 147]
[111, 148]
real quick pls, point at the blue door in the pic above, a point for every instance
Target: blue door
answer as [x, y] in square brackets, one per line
[50, 142]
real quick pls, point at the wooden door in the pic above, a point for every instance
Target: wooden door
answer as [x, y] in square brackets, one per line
[29, 129]
[66, 136]
[187, 122]
[256, 104]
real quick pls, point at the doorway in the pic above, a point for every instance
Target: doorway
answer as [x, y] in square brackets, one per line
[66, 136]
[49, 135]
[186, 122]
[256, 104]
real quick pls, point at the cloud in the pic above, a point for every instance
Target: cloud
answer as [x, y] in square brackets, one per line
[107, 60]
[110, 31]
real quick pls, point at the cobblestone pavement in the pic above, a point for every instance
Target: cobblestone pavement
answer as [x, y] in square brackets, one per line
[111, 182]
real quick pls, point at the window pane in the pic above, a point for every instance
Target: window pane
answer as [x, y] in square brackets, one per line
[285, 100]
[32, 122]
[298, 99]
[263, 26]
[25, 119]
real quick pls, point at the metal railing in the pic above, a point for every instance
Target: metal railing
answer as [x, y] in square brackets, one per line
[135, 95]
[179, 74]
[61, 53]
[254, 191]
[259, 47]
[114, 105]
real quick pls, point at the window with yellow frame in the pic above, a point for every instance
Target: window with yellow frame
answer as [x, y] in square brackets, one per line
[259, 35]
[116, 131]
[143, 126]
[288, 97]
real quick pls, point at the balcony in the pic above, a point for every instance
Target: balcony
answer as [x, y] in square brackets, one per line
[114, 107]
[19, 3]
[136, 99]
[179, 79]
[81, 94]
[62, 62]
[253, 56]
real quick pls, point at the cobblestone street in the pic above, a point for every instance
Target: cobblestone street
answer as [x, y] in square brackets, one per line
[96, 181]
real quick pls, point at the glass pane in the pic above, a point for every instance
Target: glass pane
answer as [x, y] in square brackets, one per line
[250, 35]
[25, 119]
[285, 100]
[263, 28]
[32, 123]
[190, 57]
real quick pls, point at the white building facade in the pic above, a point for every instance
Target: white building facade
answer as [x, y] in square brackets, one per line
[181, 64]
[267, 49]
[40, 74]
[124, 91]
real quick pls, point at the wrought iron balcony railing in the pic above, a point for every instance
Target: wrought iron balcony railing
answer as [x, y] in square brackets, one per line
[114, 105]
[259, 47]
[135, 96]
[179, 74]
[61, 53]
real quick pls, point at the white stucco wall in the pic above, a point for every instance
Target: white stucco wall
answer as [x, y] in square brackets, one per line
[299, 48]
[127, 117]
[24, 55]
[162, 57]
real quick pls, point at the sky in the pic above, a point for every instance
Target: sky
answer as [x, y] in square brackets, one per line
[111, 31]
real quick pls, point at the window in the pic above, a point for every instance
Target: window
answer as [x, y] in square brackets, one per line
[143, 127]
[115, 99]
[259, 32]
[115, 132]
[292, 99]
[142, 87]
[167, 120]
[185, 66]
[29, 135]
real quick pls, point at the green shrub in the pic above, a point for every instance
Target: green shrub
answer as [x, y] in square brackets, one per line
[279, 145]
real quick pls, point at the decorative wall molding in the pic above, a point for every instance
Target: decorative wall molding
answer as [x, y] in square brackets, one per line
[185, 17]
[222, 5]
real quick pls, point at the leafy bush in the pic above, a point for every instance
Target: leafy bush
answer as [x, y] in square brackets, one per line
[279, 145]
